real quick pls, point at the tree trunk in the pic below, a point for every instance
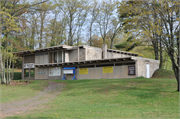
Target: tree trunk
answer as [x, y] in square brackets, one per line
[41, 30]
[156, 51]
[111, 43]
[70, 32]
[176, 72]
[161, 54]
[7, 78]
[178, 59]
[1, 61]
[9, 70]
[155, 46]
[12, 70]
[90, 31]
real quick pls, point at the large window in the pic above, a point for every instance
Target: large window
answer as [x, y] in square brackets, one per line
[57, 57]
[53, 57]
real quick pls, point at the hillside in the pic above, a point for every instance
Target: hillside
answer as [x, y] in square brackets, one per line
[164, 73]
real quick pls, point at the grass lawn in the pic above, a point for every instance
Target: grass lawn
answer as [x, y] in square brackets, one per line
[10, 93]
[102, 98]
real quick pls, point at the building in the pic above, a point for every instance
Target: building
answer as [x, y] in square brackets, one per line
[90, 63]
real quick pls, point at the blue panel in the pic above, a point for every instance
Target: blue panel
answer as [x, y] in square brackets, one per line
[67, 68]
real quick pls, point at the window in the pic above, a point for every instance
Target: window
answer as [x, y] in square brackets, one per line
[63, 56]
[59, 56]
[50, 57]
[26, 72]
[32, 72]
[56, 57]
[53, 57]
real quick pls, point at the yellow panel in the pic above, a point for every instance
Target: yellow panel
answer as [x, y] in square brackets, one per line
[107, 70]
[83, 71]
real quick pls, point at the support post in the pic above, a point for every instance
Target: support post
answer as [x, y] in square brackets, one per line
[62, 56]
[29, 72]
[57, 57]
[78, 53]
[85, 54]
[22, 74]
[136, 68]
[104, 51]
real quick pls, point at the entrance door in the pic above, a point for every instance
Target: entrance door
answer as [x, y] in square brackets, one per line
[147, 71]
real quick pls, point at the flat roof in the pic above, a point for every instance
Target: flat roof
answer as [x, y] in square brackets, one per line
[87, 62]
[60, 47]
[65, 47]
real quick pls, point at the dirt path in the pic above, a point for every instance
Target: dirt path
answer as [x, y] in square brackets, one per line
[50, 92]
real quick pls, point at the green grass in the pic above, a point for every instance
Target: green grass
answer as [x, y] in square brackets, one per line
[164, 73]
[11, 93]
[105, 98]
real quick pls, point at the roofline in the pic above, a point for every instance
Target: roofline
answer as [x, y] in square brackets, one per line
[123, 59]
[69, 48]
[47, 49]
[122, 52]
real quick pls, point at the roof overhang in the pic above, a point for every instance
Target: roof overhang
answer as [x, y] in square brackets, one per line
[122, 52]
[55, 48]
[89, 62]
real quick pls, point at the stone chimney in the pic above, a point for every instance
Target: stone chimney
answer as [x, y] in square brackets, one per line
[104, 51]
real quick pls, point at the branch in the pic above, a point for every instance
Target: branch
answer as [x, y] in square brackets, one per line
[27, 6]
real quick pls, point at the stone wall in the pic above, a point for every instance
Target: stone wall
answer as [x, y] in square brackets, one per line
[82, 54]
[73, 55]
[93, 53]
[141, 66]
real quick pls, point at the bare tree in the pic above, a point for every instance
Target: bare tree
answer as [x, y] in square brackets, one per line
[94, 11]
[104, 18]
[71, 10]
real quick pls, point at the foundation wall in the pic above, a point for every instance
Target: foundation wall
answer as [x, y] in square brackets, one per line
[93, 73]
[97, 73]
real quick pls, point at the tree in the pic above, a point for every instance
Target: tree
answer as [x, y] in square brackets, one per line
[94, 13]
[96, 41]
[81, 20]
[159, 21]
[11, 13]
[71, 9]
[44, 8]
[8, 24]
[104, 18]
[133, 19]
